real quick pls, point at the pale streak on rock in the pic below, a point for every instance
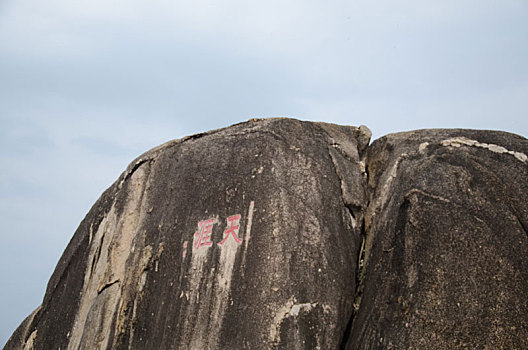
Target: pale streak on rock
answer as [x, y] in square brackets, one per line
[392, 175]
[29, 344]
[379, 202]
[423, 146]
[282, 313]
[184, 247]
[224, 275]
[249, 221]
[145, 258]
[463, 141]
[197, 313]
[418, 191]
[295, 309]
[113, 244]
[248, 232]
[290, 309]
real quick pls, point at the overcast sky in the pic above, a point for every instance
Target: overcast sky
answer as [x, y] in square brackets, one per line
[86, 86]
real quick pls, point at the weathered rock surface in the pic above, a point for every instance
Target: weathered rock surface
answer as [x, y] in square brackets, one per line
[235, 239]
[281, 234]
[446, 250]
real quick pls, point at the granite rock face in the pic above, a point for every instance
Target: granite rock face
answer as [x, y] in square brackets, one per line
[446, 251]
[282, 234]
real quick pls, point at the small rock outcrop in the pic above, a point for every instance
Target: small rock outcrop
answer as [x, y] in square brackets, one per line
[282, 234]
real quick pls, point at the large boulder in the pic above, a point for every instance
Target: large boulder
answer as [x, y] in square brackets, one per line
[445, 263]
[282, 234]
[240, 238]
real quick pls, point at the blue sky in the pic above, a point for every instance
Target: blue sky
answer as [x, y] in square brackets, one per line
[87, 86]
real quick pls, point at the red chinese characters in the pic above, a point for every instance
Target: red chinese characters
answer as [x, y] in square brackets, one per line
[202, 237]
[232, 230]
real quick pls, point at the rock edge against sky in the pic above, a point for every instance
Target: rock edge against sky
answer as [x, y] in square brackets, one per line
[283, 234]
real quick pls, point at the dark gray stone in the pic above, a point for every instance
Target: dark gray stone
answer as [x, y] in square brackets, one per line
[132, 276]
[446, 257]
[270, 235]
